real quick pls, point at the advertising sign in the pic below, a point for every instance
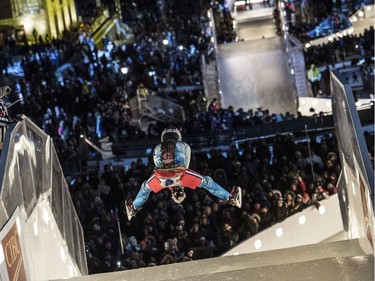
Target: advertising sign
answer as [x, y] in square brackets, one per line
[12, 261]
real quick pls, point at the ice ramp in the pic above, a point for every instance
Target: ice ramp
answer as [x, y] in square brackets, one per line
[341, 261]
[41, 237]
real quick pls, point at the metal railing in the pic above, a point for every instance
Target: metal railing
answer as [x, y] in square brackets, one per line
[296, 60]
[207, 140]
[157, 108]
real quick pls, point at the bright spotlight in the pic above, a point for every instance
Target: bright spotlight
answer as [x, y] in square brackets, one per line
[124, 70]
[302, 220]
[258, 244]
[322, 210]
[279, 232]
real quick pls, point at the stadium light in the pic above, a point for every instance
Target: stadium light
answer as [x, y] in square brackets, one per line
[302, 220]
[279, 232]
[258, 244]
[124, 70]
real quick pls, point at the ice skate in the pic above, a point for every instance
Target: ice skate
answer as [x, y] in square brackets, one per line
[130, 210]
[235, 197]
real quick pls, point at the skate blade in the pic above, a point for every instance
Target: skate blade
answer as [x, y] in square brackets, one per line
[128, 212]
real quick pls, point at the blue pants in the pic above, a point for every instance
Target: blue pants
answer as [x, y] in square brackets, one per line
[207, 183]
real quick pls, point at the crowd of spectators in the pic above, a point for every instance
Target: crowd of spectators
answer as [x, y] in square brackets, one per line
[313, 19]
[346, 52]
[346, 48]
[216, 118]
[91, 96]
[317, 11]
[275, 186]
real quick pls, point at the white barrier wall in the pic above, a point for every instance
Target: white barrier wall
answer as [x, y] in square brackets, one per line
[39, 251]
[310, 226]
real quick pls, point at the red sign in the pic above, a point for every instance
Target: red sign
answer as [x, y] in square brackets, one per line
[13, 255]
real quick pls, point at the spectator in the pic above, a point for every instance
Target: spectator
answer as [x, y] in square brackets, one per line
[227, 237]
[266, 218]
[314, 160]
[298, 205]
[314, 77]
[281, 211]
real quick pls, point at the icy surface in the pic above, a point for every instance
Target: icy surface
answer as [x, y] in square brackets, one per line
[341, 261]
[254, 72]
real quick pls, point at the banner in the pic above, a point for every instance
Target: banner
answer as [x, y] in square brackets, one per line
[12, 265]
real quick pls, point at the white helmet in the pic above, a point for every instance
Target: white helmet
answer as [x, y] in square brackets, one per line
[171, 132]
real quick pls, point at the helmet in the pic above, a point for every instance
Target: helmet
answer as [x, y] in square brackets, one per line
[171, 132]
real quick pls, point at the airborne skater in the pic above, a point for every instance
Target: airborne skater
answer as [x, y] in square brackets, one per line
[172, 158]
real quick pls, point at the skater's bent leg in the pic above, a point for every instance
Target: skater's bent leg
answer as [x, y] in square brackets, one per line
[142, 195]
[211, 186]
